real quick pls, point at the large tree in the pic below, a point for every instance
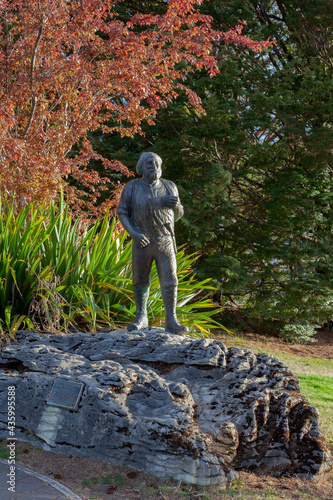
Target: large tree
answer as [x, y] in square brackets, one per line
[70, 67]
[255, 173]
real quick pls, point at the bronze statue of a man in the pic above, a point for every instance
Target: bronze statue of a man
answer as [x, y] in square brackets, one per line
[148, 209]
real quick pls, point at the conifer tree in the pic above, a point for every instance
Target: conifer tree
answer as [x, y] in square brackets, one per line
[255, 172]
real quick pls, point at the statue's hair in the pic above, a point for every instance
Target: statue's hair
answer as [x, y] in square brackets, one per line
[143, 158]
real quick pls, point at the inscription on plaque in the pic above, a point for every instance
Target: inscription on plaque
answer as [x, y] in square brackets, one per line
[65, 393]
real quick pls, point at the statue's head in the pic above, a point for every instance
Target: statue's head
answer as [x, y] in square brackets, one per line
[147, 157]
[150, 167]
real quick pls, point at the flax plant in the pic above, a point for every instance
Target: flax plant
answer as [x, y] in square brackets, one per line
[57, 273]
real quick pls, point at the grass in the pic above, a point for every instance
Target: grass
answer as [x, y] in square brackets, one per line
[5, 454]
[238, 490]
[318, 389]
[301, 365]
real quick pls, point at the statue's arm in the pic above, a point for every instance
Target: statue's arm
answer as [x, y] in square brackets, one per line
[125, 222]
[178, 210]
[173, 201]
[123, 212]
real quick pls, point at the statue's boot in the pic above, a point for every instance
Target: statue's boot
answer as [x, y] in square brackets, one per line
[171, 324]
[141, 295]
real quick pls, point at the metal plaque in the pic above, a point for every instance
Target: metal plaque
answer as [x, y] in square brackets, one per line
[65, 393]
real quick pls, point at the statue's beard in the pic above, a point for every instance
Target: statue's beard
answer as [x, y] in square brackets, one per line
[154, 175]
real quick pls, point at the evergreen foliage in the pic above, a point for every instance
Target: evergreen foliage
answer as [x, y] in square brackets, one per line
[255, 173]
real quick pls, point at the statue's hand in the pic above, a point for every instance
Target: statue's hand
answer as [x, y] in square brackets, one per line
[140, 239]
[171, 201]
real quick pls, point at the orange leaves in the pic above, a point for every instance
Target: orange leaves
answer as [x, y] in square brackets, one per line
[67, 68]
[235, 36]
[193, 98]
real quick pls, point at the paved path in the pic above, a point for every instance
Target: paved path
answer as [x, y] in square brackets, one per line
[30, 485]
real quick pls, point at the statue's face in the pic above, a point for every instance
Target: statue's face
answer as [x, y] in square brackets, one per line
[152, 170]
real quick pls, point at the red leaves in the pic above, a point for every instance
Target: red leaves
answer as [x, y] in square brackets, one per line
[235, 36]
[193, 98]
[60, 79]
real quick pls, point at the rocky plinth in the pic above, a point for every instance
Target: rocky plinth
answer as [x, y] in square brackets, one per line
[174, 406]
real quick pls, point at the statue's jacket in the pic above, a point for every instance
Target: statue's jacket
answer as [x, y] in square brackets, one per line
[145, 208]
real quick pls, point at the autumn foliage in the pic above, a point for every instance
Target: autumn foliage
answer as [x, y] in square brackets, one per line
[68, 67]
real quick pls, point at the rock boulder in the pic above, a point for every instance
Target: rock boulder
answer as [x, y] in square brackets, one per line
[175, 406]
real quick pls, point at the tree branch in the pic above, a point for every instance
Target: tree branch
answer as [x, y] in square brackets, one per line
[32, 112]
[32, 67]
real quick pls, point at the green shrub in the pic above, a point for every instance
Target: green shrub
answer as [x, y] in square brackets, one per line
[299, 332]
[59, 274]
